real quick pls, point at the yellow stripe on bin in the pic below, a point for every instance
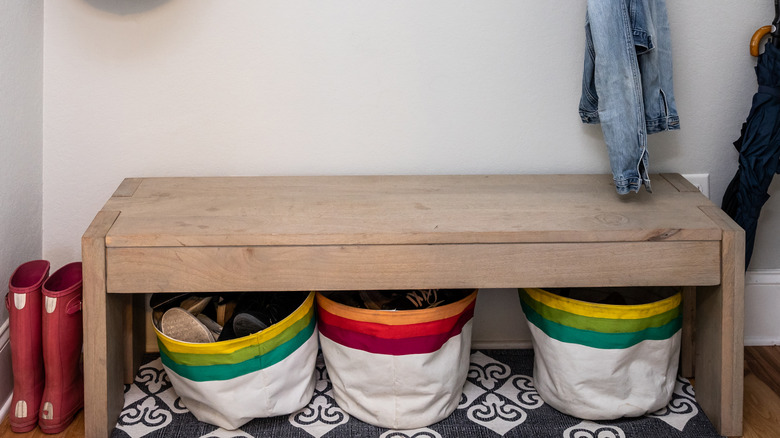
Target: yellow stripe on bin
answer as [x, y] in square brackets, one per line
[610, 311]
[233, 345]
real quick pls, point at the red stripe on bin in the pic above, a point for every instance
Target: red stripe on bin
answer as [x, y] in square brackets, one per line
[396, 347]
[393, 331]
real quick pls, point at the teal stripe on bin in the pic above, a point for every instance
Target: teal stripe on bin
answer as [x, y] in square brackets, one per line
[230, 371]
[610, 341]
[601, 325]
[195, 358]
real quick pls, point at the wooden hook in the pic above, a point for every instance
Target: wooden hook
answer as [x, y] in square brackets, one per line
[757, 37]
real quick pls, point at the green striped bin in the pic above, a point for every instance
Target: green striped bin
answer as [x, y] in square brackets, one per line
[266, 374]
[604, 361]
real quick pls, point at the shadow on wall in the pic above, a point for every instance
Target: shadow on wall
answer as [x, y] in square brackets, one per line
[125, 7]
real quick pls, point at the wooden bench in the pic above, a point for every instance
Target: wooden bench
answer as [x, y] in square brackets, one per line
[386, 232]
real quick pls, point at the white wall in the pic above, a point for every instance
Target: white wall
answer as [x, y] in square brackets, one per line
[156, 87]
[21, 73]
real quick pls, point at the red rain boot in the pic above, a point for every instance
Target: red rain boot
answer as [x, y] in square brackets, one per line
[24, 311]
[63, 394]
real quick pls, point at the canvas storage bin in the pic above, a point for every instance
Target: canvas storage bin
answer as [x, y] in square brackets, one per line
[605, 361]
[397, 369]
[266, 374]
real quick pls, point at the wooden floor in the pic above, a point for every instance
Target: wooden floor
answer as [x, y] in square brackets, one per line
[762, 392]
[762, 399]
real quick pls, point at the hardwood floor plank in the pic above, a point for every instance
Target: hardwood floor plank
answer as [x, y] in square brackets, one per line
[761, 409]
[764, 362]
[75, 430]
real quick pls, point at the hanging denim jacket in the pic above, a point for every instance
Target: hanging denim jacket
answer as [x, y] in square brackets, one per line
[627, 82]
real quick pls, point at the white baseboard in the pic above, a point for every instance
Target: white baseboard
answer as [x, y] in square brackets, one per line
[499, 321]
[755, 341]
[502, 345]
[6, 409]
[6, 374]
[762, 299]
[5, 333]
[763, 276]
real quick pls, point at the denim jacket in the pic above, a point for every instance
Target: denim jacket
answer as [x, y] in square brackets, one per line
[627, 82]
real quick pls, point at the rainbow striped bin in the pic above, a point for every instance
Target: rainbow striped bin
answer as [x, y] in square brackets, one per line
[265, 374]
[604, 361]
[397, 369]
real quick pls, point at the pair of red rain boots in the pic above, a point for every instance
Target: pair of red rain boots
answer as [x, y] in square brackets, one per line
[46, 340]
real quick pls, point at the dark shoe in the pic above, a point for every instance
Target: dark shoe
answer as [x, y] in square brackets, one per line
[245, 324]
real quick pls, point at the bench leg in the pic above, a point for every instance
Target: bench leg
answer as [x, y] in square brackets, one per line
[103, 329]
[688, 346]
[134, 335]
[719, 335]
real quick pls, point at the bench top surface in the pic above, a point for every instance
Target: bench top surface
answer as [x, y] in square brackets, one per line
[371, 210]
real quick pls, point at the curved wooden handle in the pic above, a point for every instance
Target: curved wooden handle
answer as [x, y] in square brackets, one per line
[757, 37]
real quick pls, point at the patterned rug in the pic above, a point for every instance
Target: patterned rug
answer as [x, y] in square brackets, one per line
[498, 400]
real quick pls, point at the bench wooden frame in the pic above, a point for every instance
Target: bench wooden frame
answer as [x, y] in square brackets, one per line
[384, 232]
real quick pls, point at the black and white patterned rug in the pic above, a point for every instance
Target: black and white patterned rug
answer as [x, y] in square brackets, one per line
[499, 400]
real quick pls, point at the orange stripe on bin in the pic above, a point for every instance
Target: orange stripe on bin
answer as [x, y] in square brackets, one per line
[387, 331]
[397, 317]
